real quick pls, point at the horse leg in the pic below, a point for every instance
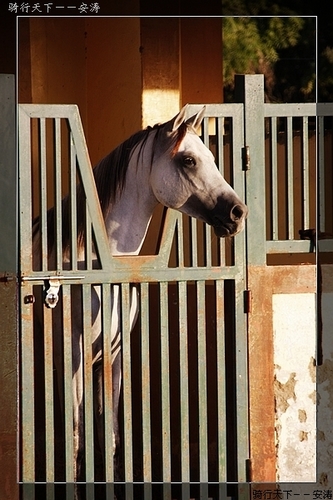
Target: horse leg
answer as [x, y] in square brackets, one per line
[116, 386]
[99, 406]
[78, 431]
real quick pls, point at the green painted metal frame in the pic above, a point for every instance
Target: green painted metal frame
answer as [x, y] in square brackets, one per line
[247, 121]
[126, 270]
[289, 111]
[247, 118]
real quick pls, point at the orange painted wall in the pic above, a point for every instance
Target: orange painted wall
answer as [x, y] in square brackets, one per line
[94, 63]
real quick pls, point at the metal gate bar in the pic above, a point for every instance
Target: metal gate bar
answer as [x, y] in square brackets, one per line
[73, 207]
[107, 382]
[184, 395]
[145, 384]
[290, 170]
[165, 382]
[221, 381]
[145, 380]
[43, 196]
[202, 382]
[68, 391]
[274, 181]
[86, 363]
[49, 395]
[127, 385]
[58, 194]
[306, 173]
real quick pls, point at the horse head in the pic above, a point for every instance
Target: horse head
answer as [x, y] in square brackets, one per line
[187, 178]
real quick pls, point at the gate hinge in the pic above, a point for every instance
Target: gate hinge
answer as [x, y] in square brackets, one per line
[247, 301]
[246, 158]
[248, 470]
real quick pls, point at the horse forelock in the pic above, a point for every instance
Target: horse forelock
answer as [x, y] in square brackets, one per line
[181, 132]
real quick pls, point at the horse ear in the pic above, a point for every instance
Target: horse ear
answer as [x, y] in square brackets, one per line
[177, 121]
[195, 120]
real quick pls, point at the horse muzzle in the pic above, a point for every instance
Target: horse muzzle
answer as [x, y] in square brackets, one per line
[232, 224]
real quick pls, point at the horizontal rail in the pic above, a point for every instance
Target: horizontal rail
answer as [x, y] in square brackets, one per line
[288, 246]
[290, 109]
[128, 275]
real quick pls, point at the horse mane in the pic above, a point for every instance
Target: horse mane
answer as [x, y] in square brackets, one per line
[110, 177]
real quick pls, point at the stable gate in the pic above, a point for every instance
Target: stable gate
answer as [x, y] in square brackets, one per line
[184, 400]
[184, 408]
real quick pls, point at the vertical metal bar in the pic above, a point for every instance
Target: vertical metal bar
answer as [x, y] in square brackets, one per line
[88, 239]
[220, 143]
[73, 207]
[58, 195]
[220, 164]
[249, 90]
[205, 131]
[25, 191]
[109, 491]
[68, 383]
[129, 491]
[28, 389]
[26, 320]
[208, 245]
[306, 188]
[241, 347]
[50, 493]
[43, 195]
[290, 170]
[107, 379]
[127, 384]
[321, 172]
[202, 383]
[184, 401]
[165, 382]
[275, 207]
[180, 240]
[221, 381]
[28, 491]
[88, 383]
[241, 179]
[70, 491]
[194, 223]
[90, 490]
[194, 242]
[145, 374]
[49, 396]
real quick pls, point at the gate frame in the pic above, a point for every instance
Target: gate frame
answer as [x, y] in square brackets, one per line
[125, 269]
[277, 279]
[264, 281]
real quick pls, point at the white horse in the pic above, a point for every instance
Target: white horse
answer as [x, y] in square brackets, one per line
[167, 164]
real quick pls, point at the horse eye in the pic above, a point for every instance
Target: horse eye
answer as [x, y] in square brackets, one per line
[189, 161]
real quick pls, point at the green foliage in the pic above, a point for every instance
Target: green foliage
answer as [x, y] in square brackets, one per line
[260, 44]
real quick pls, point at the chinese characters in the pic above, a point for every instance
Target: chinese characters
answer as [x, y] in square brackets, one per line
[280, 494]
[51, 7]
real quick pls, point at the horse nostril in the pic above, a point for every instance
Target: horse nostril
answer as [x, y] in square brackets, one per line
[237, 212]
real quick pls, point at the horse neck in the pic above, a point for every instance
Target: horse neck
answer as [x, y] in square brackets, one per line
[129, 217]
